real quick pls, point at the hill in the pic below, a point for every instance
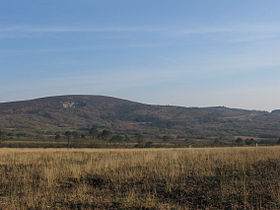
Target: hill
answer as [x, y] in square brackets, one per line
[52, 115]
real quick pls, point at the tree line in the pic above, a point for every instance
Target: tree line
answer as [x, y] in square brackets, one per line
[94, 133]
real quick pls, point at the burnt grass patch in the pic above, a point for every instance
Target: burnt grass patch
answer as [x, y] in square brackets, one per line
[229, 188]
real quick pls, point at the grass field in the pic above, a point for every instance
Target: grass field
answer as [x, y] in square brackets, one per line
[216, 178]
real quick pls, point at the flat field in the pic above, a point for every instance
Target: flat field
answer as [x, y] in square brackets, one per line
[216, 178]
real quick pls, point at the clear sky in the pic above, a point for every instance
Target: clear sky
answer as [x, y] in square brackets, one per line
[177, 52]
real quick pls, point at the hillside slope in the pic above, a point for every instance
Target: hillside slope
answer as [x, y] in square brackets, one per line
[57, 114]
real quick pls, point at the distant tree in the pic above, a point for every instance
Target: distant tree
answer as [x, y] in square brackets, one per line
[75, 134]
[68, 135]
[239, 140]
[144, 144]
[57, 136]
[93, 132]
[83, 136]
[278, 142]
[117, 138]
[148, 144]
[165, 138]
[1, 135]
[126, 138]
[250, 141]
[217, 141]
[105, 135]
[139, 137]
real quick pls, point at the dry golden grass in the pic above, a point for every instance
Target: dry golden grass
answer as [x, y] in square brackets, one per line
[221, 178]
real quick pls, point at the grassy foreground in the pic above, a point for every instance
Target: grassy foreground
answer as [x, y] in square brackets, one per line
[221, 178]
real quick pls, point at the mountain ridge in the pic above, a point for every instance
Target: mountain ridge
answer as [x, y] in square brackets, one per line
[54, 114]
[128, 100]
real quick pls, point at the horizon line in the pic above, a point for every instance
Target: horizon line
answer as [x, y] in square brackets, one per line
[130, 100]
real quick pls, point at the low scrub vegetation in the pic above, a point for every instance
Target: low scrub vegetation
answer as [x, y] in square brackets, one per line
[217, 178]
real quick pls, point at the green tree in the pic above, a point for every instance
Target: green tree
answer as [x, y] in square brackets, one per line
[57, 136]
[1, 135]
[250, 141]
[139, 137]
[117, 138]
[148, 144]
[68, 135]
[93, 132]
[105, 134]
[239, 140]
[75, 134]
[126, 138]
[165, 138]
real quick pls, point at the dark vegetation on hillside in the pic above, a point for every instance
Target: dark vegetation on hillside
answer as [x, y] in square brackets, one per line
[112, 120]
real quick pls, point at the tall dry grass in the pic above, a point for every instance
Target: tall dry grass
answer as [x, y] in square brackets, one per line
[222, 178]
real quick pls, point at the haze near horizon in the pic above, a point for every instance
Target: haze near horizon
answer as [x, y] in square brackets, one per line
[189, 53]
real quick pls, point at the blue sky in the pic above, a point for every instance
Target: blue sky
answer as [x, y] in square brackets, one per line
[179, 52]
